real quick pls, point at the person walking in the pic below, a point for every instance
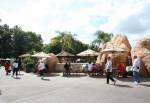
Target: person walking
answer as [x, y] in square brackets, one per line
[15, 68]
[7, 66]
[41, 68]
[108, 67]
[136, 69]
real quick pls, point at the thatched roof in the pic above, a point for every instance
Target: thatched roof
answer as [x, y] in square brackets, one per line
[41, 55]
[88, 52]
[24, 55]
[64, 54]
[113, 50]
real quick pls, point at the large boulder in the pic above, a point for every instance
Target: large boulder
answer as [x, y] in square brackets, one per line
[118, 41]
[142, 50]
[51, 62]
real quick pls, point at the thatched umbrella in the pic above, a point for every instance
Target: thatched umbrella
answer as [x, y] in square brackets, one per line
[41, 55]
[64, 54]
[88, 52]
[25, 55]
[113, 50]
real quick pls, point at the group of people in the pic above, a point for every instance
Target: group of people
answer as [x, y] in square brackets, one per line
[8, 67]
[68, 69]
[92, 69]
[135, 70]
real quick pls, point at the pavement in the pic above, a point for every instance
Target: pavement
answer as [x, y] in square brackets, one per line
[54, 88]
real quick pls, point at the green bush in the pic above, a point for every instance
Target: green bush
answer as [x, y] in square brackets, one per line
[29, 62]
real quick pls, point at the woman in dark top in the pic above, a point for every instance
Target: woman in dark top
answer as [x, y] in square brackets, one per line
[67, 68]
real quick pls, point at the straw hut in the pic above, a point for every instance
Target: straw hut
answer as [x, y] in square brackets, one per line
[64, 55]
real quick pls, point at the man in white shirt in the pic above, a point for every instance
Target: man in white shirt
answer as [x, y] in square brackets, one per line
[41, 68]
[15, 68]
[89, 68]
[136, 69]
[108, 67]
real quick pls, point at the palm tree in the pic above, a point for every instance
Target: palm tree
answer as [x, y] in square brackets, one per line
[102, 37]
[65, 38]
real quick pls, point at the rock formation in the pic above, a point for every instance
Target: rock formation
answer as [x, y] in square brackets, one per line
[51, 62]
[118, 41]
[142, 50]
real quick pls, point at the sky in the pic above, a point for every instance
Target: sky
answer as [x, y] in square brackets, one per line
[81, 17]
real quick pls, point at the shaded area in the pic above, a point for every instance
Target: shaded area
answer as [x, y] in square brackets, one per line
[130, 79]
[16, 77]
[98, 76]
[48, 75]
[51, 75]
[123, 86]
[75, 75]
[145, 85]
[45, 79]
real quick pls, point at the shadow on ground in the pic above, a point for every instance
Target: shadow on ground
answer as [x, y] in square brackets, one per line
[49, 75]
[130, 79]
[75, 75]
[16, 77]
[45, 79]
[123, 86]
[145, 85]
[98, 76]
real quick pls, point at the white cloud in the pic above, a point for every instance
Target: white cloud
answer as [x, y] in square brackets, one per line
[47, 16]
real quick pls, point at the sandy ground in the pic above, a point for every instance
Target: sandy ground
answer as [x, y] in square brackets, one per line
[30, 88]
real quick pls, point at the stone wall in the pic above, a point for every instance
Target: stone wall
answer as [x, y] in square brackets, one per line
[75, 67]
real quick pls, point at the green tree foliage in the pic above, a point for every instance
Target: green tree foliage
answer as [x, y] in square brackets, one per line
[77, 47]
[14, 41]
[65, 38]
[36, 42]
[65, 41]
[5, 41]
[94, 47]
[102, 37]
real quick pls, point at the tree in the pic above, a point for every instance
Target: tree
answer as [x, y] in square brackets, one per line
[5, 41]
[94, 47]
[14, 41]
[19, 41]
[66, 39]
[35, 42]
[102, 37]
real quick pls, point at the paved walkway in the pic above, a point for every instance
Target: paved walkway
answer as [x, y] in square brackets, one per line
[30, 88]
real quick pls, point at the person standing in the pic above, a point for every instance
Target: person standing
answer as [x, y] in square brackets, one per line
[89, 68]
[41, 68]
[0, 65]
[19, 65]
[15, 68]
[108, 67]
[136, 69]
[7, 66]
[67, 67]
